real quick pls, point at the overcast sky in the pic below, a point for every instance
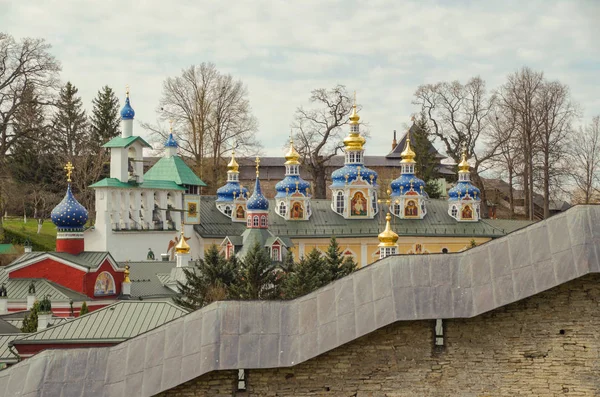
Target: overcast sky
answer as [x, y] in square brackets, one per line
[281, 49]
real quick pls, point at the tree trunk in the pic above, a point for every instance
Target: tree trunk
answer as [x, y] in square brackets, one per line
[511, 195]
[319, 181]
[546, 185]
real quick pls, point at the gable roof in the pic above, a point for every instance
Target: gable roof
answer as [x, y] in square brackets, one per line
[173, 169]
[148, 279]
[324, 223]
[397, 150]
[8, 328]
[87, 259]
[115, 183]
[231, 335]
[120, 142]
[113, 323]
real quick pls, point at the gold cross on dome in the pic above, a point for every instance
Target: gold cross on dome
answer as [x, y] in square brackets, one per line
[171, 126]
[354, 98]
[257, 164]
[127, 90]
[69, 168]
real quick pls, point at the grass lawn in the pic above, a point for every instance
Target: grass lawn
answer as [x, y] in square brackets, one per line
[46, 238]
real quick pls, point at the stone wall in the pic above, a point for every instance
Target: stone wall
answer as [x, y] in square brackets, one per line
[546, 345]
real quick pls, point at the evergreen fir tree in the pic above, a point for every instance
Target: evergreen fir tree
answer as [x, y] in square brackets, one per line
[105, 118]
[30, 323]
[336, 264]
[84, 309]
[257, 277]
[209, 280]
[426, 167]
[70, 127]
[309, 274]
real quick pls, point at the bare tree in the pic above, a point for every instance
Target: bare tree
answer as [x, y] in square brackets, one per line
[211, 114]
[24, 65]
[518, 96]
[460, 115]
[318, 134]
[584, 156]
[554, 114]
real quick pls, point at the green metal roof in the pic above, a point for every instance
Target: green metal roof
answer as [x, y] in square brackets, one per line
[326, 223]
[88, 259]
[19, 289]
[173, 169]
[113, 323]
[152, 184]
[7, 249]
[125, 142]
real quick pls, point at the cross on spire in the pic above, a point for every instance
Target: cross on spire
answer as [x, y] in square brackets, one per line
[69, 168]
[257, 165]
[127, 90]
[171, 126]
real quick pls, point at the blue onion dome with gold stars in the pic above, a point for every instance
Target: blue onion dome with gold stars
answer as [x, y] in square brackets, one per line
[127, 113]
[292, 182]
[464, 187]
[232, 189]
[407, 181]
[257, 201]
[349, 172]
[69, 214]
[171, 142]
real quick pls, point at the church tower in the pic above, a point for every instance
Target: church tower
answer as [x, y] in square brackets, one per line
[231, 197]
[257, 205]
[354, 186]
[408, 192]
[293, 197]
[464, 199]
[69, 217]
[388, 240]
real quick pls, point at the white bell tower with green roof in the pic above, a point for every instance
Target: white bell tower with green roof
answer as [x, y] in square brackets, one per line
[136, 212]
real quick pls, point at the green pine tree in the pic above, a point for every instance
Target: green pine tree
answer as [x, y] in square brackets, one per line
[427, 163]
[84, 309]
[288, 262]
[209, 280]
[70, 129]
[30, 323]
[309, 274]
[336, 264]
[257, 277]
[105, 118]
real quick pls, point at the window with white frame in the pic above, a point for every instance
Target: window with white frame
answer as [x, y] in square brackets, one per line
[255, 221]
[454, 211]
[228, 210]
[263, 221]
[386, 251]
[339, 203]
[275, 254]
[282, 208]
[249, 221]
[358, 157]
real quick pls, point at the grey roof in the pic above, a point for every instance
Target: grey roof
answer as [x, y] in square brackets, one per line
[401, 144]
[8, 328]
[231, 335]
[18, 288]
[113, 323]
[88, 259]
[146, 282]
[326, 223]
[6, 356]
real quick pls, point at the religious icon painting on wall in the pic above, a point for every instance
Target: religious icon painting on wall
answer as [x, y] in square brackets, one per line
[240, 213]
[467, 212]
[191, 204]
[105, 285]
[358, 204]
[297, 211]
[411, 208]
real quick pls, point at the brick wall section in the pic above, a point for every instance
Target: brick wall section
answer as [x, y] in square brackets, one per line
[546, 345]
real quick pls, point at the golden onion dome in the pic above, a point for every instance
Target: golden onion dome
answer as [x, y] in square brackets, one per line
[354, 141]
[387, 238]
[463, 166]
[292, 156]
[233, 165]
[182, 246]
[354, 117]
[408, 155]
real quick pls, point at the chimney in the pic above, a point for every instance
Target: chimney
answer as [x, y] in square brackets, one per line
[44, 320]
[3, 300]
[394, 143]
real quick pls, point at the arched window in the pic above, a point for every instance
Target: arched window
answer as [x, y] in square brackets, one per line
[444, 250]
[256, 220]
[454, 211]
[249, 222]
[228, 210]
[357, 159]
[263, 221]
[339, 203]
[282, 208]
[352, 159]
[396, 209]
